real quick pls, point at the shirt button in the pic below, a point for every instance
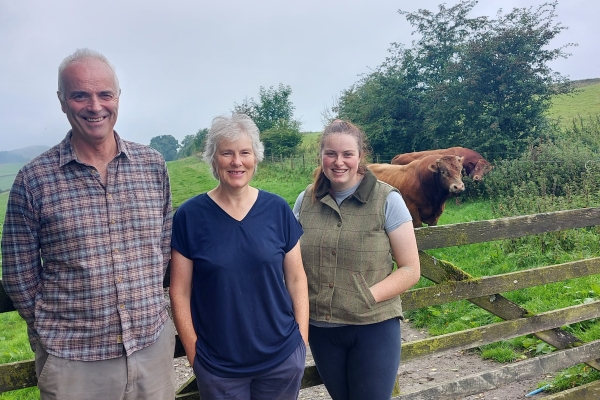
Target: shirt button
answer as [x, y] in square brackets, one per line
[109, 196]
[119, 279]
[116, 250]
[112, 221]
[333, 252]
[122, 306]
[331, 285]
[328, 318]
[339, 223]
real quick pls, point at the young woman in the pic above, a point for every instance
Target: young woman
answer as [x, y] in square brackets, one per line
[238, 288]
[353, 224]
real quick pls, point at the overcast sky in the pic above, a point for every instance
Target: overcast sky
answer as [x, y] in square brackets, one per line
[182, 62]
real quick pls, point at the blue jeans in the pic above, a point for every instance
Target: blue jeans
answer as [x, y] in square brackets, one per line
[281, 383]
[357, 362]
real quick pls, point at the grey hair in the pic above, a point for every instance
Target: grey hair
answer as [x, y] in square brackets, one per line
[78, 55]
[231, 129]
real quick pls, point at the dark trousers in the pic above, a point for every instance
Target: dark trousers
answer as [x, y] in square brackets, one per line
[281, 383]
[357, 362]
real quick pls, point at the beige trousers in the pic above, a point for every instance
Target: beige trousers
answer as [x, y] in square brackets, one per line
[146, 374]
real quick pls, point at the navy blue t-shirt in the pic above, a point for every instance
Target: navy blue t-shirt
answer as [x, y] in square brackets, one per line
[241, 309]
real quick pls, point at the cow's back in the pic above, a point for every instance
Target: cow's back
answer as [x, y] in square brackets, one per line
[407, 158]
[399, 176]
[469, 156]
[474, 164]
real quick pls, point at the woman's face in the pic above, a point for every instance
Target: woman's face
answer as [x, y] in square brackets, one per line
[340, 158]
[235, 162]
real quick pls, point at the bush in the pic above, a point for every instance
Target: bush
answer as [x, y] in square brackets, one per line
[282, 139]
[563, 168]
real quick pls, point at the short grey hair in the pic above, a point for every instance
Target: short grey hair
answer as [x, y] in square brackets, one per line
[231, 129]
[78, 55]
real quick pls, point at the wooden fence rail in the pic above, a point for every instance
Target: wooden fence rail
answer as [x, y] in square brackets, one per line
[453, 284]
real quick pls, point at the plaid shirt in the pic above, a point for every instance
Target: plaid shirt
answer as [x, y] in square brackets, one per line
[83, 263]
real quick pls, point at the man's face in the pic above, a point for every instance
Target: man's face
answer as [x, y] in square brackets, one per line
[91, 100]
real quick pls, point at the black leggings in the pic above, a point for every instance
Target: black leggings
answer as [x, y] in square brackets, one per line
[357, 362]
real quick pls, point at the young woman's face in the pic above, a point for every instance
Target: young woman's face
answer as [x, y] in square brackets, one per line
[340, 158]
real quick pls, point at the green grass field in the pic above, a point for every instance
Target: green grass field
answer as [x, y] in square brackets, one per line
[7, 175]
[190, 177]
[585, 104]
[3, 201]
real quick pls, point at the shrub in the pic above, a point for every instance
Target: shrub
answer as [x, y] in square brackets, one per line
[282, 139]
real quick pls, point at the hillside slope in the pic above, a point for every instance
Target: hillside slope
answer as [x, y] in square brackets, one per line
[30, 152]
[584, 103]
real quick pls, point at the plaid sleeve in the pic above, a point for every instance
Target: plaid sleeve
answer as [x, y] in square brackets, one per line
[21, 262]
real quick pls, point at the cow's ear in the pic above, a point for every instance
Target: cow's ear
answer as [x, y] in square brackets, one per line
[471, 164]
[433, 167]
[461, 159]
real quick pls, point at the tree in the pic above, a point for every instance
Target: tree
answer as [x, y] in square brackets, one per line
[386, 106]
[476, 82]
[192, 144]
[282, 139]
[274, 105]
[166, 145]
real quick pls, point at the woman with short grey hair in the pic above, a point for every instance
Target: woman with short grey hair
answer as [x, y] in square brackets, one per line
[231, 128]
[238, 288]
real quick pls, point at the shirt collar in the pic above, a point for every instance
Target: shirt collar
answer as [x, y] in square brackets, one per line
[67, 153]
[363, 192]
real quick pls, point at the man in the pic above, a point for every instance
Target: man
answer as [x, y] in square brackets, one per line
[85, 246]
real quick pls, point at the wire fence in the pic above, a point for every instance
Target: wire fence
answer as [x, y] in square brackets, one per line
[308, 160]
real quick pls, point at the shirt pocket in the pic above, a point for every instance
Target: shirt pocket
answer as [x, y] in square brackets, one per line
[145, 211]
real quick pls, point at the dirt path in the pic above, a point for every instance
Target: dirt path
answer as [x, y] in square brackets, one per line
[418, 374]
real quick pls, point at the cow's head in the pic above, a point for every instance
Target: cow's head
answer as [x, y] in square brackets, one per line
[481, 168]
[449, 169]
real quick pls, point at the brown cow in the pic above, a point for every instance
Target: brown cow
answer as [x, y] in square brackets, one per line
[474, 164]
[425, 184]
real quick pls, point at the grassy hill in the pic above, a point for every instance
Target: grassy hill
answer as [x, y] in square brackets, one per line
[7, 175]
[190, 177]
[30, 152]
[3, 201]
[583, 104]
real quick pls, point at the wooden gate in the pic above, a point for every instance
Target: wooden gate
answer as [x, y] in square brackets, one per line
[453, 284]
